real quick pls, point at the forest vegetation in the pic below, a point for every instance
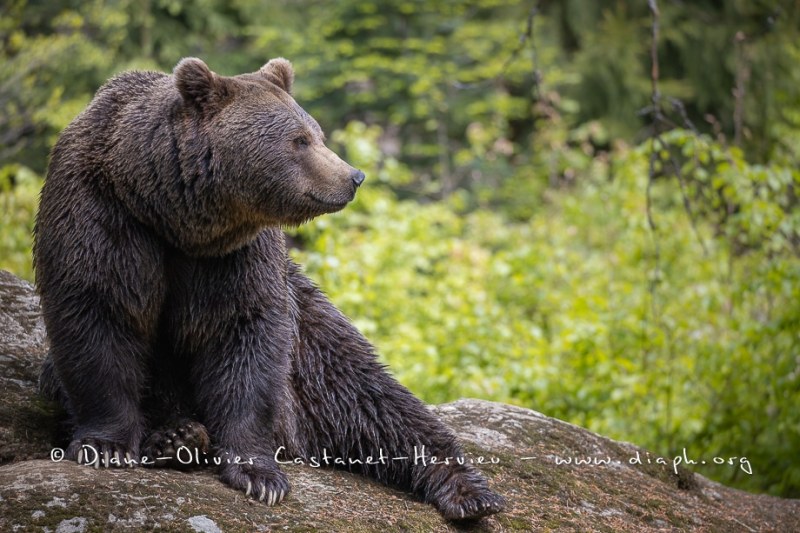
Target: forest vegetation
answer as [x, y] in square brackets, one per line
[585, 207]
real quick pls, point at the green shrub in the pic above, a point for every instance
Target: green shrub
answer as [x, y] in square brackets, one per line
[19, 196]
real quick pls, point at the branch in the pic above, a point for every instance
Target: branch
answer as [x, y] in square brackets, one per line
[655, 110]
[657, 143]
[742, 76]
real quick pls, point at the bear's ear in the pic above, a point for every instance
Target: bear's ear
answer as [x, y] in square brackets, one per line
[280, 72]
[198, 85]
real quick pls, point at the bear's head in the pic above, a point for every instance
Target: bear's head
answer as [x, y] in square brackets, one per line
[268, 155]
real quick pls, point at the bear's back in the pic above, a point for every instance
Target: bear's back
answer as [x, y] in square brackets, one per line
[77, 188]
[102, 115]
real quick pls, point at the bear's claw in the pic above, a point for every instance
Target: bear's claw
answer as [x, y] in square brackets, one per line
[98, 453]
[473, 508]
[261, 481]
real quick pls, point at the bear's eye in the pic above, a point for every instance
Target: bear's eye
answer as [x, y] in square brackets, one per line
[301, 141]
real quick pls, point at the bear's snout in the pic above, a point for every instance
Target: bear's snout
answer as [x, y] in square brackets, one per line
[357, 176]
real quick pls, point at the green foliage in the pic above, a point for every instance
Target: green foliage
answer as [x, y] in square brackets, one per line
[501, 246]
[19, 196]
[584, 312]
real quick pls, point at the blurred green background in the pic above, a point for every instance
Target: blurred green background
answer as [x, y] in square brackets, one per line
[502, 247]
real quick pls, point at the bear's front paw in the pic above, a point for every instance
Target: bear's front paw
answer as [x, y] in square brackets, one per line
[102, 452]
[182, 446]
[465, 496]
[262, 480]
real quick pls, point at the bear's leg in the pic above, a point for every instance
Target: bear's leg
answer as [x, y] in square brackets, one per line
[99, 275]
[98, 361]
[240, 386]
[355, 410]
[237, 328]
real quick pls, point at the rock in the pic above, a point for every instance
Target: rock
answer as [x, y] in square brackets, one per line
[28, 424]
[518, 448]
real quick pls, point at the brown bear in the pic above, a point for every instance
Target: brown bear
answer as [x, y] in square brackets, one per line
[171, 303]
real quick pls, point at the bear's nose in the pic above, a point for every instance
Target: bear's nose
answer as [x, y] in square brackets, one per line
[358, 177]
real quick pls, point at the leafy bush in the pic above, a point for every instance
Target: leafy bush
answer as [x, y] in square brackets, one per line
[585, 313]
[19, 196]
